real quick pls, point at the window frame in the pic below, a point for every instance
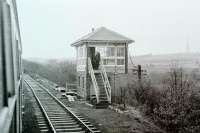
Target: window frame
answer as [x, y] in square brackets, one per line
[9, 53]
[17, 59]
[5, 14]
[105, 57]
[2, 87]
[106, 61]
[119, 50]
[81, 52]
[11, 104]
[120, 62]
[108, 50]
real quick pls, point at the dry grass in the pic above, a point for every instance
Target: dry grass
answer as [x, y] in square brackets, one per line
[109, 121]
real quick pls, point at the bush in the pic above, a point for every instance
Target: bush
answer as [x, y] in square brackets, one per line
[175, 107]
[174, 101]
[56, 71]
[147, 96]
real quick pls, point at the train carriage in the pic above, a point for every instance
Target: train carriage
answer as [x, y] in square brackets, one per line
[10, 68]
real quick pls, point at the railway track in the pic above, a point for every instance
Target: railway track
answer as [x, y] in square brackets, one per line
[40, 118]
[54, 114]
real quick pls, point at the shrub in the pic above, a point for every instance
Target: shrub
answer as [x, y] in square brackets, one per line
[176, 111]
[174, 107]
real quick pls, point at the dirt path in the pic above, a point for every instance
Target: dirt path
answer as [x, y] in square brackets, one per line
[110, 121]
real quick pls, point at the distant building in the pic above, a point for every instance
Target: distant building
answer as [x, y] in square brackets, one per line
[113, 49]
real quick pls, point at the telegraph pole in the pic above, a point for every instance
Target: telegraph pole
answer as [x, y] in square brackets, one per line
[140, 75]
[114, 83]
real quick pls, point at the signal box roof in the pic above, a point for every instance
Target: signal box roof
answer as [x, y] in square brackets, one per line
[103, 34]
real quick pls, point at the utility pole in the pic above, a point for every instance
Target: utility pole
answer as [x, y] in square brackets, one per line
[114, 83]
[140, 76]
[188, 47]
[140, 72]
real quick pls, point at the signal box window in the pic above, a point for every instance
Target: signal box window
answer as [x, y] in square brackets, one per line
[110, 51]
[109, 61]
[120, 61]
[120, 52]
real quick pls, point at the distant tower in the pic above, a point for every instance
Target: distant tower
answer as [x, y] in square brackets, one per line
[93, 29]
[187, 47]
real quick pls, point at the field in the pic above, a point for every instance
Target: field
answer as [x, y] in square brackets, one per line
[168, 96]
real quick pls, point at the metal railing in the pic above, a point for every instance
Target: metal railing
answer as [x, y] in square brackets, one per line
[105, 81]
[94, 81]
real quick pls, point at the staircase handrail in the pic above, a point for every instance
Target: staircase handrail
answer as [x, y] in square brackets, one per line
[107, 93]
[94, 81]
[106, 81]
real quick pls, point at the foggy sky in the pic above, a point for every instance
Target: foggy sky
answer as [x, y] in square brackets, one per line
[48, 27]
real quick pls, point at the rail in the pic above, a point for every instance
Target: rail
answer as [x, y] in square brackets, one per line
[94, 81]
[42, 108]
[105, 81]
[78, 120]
[68, 110]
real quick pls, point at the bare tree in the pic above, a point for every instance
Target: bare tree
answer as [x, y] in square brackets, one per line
[174, 101]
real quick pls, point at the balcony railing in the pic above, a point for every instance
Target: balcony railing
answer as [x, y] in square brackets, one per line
[96, 87]
[105, 81]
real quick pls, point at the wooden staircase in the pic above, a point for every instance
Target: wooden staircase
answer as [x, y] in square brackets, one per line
[101, 86]
[103, 99]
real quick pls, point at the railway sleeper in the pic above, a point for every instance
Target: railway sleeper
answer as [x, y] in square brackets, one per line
[69, 129]
[64, 121]
[60, 119]
[67, 126]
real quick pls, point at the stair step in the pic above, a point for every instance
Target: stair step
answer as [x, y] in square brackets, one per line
[103, 98]
[99, 80]
[103, 101]
[102, 95]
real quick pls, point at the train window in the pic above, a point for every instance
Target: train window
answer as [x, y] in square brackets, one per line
[8, 40]
[1, 64]
[1, 77]
[17, 60]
